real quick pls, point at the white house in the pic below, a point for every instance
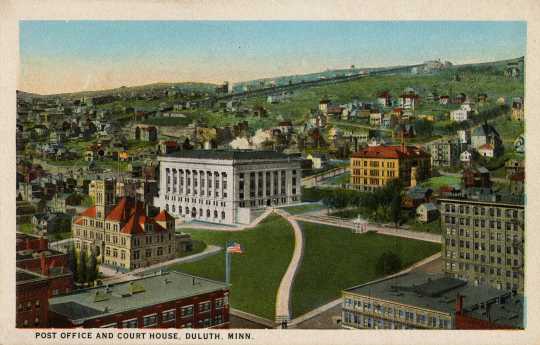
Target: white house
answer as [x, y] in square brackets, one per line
[487, 150]
[427, 212]
[465, 157]
[459, 115]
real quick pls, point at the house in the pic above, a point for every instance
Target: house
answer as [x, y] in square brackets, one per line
[487, 150]
[415, 196]
[482, 98]
[408, 100]
[404, 130]
[519, 144]
[459, 115]
[317, 159]
[466, 157]
[444, 100]
[375, 119]
[385, 99]
[460, 98]
[514, 167]
[285, 127]
[427, 212]
[518, 114]
[323, 105]
[464, 136]
[487, 134]
[146, 133]
[476, 177]
[388, 121]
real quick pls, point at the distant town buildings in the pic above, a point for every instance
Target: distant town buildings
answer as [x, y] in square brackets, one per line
[444, 153]
[224, 186]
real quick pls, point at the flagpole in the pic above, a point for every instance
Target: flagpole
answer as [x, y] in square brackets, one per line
[227, 264]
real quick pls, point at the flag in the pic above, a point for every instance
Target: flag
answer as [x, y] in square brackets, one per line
[235, 248]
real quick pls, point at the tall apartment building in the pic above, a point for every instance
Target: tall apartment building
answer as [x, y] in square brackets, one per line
[224, 186]
[122, 234]
[419, 300]
[444, 153]
[374, 166]
[484, 238]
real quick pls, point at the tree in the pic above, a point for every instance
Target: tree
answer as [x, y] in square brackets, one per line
[72, 259]
[388, 263]
[81, 266]
[92, 269]
[395, 209]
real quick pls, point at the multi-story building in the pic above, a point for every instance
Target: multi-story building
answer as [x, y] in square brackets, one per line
[163, 300]
[122, 234]
[31, 299]
[420, 300]
[483, 238]
[225, 186]
[444, 153]
[518, 113]
[374, 166]
[34, 255]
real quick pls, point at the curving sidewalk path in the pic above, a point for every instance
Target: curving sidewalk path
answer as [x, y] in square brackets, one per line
[283, 298]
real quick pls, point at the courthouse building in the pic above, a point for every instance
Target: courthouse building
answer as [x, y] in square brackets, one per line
[225, 186]
[122, 234]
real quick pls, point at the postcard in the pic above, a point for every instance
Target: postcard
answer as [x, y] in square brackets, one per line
[241, 179]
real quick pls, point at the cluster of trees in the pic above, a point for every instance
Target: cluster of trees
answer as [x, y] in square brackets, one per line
[388, 263]
[84, 266]
[381, 205]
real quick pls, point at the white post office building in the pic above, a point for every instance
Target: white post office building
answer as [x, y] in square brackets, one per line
[225, 186]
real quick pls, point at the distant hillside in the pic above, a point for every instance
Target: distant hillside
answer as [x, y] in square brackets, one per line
[184, 86]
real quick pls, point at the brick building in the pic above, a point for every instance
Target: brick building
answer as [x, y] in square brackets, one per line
[35, 256]
[31, 299]
[374, 166]
[163, 300]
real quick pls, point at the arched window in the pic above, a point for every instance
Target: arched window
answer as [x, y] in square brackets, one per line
[215, 214]
[200, 212]
[187, 210]
[173, 208]
[222, 214]
[207, 213]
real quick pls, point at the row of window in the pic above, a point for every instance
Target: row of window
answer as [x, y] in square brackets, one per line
[390, 312]
[481, 210]
[364, 321]
[482, 246]
[373, 164]
[452, 266]
[482, 223]
[171, 315]
[493, 235]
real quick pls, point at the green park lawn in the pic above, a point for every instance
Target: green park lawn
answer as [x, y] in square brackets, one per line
[432, 227]
[256, 274]
[335, 259]
[439, 181]
[198, 247]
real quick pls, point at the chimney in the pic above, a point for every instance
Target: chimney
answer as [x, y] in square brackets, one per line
[44, 267]
[459, 304]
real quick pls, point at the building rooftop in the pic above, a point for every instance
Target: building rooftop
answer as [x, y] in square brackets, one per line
[431, 291]
[396, 151]
[484, 195]
[509, 313]
[23, 276]
[229, 154]
[117, 298]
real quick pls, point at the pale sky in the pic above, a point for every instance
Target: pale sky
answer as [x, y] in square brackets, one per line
[67, 56]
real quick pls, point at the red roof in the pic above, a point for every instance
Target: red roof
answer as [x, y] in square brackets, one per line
[520, 176]
[89, 212]
[163, 216]
[486, 147]
[125, 208]
[389, 152]
[132, 226]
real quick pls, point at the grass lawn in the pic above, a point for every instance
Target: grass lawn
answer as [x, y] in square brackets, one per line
[437, 182]
[256, 274]
[198, 246]
[302, 208]
[433, 227]
[27, 228]
[335, 259]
